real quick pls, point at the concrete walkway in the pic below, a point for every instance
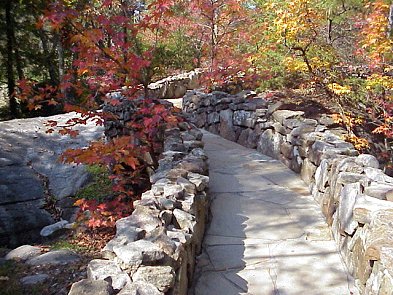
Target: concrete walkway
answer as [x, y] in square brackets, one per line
[266, 235]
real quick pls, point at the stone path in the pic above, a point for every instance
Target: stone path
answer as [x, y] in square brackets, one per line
[267, 235]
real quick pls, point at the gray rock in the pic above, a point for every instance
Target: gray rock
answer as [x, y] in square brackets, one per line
[159, 237]
[125, 230]
[109, 271]
[162, 277]
[23, 253]
[366, 206]
[300, 131]
[32, 159]
[248, 138]
[380, 234]
[226, 125]
[56, 257]
[377, 175]
[287, 150]
[278, 128]
[179, 236]
[133, 254]
[14, 183]
[348, 177]
[192, 144]
[386, 257]
[321, 175]
[143, 218]
[193, 164]
[345, 209]
[6, 162]
[174, 190]
[244, 118]
[261, 113]
[379, 190]
[292, 123]
[281, 115]
[326, 120]
[361, 263]
[22, 222]
[201, 181]
[34, 279]
[140, 288]
[199, 152]
[168, 204]
[274, 107]
[174, 174]
[67, 180]
[185, 220]
[89, 287]
[386, 284]
[186, 185]
[50, 229]
[213, 118]
[373, 284]
[269, 143]
[367, 161]
[317, 150]
[307, 171]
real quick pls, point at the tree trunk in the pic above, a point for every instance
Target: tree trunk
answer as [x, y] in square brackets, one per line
[18, 61]
[48, 56]
[390, 18]
[10, 60]
[60, 56]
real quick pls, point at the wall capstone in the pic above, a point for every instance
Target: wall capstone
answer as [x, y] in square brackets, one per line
[175, 86]
[353, 193]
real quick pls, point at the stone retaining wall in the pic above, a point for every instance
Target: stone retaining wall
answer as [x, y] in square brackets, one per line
[354, 194]
[154, 249]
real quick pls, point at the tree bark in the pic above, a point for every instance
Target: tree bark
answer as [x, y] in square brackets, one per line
[13, 105]
[47, 58]
[390, 19]
[60, 56]
[18, 60]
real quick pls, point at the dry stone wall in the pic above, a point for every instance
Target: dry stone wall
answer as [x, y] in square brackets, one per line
[355, 196]
[154, 249]
[175, 86]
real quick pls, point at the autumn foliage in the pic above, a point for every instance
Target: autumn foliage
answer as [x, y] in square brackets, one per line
[342, 49]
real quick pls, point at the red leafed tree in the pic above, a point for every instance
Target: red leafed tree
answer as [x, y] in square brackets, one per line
[220, 30]
[114, 45]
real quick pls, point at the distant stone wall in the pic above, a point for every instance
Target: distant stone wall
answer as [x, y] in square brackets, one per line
[175, 86]
[355, 196]
[154, 249]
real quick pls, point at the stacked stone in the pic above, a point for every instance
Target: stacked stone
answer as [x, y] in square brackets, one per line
[154, 249]
[175, 86]
[354, 194]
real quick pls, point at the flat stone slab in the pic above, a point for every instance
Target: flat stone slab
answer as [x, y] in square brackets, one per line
[56, 257]
[34, 279]
[23, 253]
[267, 235]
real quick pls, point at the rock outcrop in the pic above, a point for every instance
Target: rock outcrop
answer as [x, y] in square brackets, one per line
[31, 175]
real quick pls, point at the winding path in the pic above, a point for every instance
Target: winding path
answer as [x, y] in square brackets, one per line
[266, 235]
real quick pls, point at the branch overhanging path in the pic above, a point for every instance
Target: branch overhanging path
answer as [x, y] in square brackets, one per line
[267, 235]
